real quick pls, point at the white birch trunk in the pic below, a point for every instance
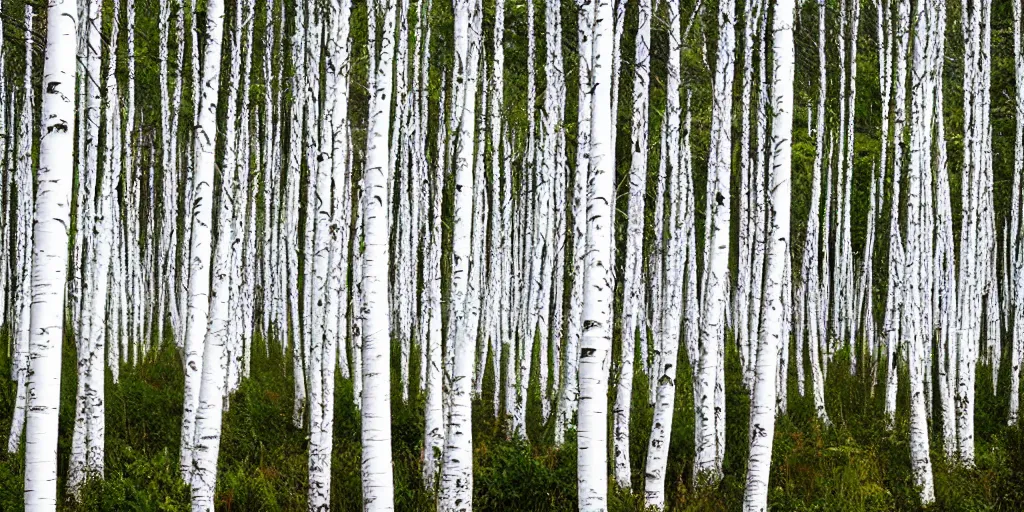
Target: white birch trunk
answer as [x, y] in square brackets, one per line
[632, 287]
[201, 218]
[708, 462]
[918, 252]
[50, 257]
[972, 239]
[773, 334]
[596, 341]
[378, 483]
[674, 291]
[295, 158]
[744, 289]
[22, 271]
[457, 468]
[210, 410]
[433, 444]
[498, 301]
[1014, 273]
[895, 288]
[570, 391]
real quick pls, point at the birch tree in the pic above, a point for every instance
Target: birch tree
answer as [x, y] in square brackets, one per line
[50, 256]
[433, 444]
[673, 274]
[632, 287]
[892, 315]
[457, 468]
[810, 266]
[1015, 276]
[24, 207]
[972, 241]
[918, 253]
[570, 391]
[88, 439]
[595, 344]
[378, 480]
[710, 410]
[201, 220]
[744, 291]
[773, 334]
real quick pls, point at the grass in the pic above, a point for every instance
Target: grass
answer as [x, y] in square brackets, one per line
[855, 465]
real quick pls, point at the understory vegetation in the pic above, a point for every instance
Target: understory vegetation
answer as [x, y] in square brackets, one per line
[854, 465]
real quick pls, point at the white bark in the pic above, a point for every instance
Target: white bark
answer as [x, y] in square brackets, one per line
[499, 220]
[708, 462]
[847, 327]
[1014, 272]
[378, 483]
[132, 250]
[191, 161]
[972, 239]
[421, 180]
[884, 30]
[320, 364]
[5, 193]
[744, 291]
[169, 200]
[758, 215]
[618, 29]
[50, 257]
[548, 214]
[475, 319]
[457, 467]
[632, 287]
[570, 390]
[433, 445]
[595, 345]
[235, 162]
[295, 158]
[201, 220]
[918, 252]
[773, 333]
[672, 276]
[335, 210]
[531, 270]
[945, 273]
[88, 438]
[22, 270]
[895, 288]
[810, 265]
[210, 409]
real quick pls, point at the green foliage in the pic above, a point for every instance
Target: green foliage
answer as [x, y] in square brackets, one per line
[855, 465]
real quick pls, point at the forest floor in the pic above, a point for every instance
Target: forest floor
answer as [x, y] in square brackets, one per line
[856, 464]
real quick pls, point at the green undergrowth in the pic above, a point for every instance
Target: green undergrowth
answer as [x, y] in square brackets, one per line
[854, 464]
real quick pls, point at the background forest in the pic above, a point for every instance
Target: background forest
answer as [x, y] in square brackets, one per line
[855, 459]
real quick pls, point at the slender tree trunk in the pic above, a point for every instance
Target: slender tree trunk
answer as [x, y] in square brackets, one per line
[378, 483]
[675, 265]
[918, 252]
[210, 410]
[744, 284]
[22, 271]
[773, 335]
[632, 287]
[570, 391]
[50, 257]
[708, 462]
[201, 220]
[457, 468]
[895, 288]
[1015, 274]
[595, 344]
